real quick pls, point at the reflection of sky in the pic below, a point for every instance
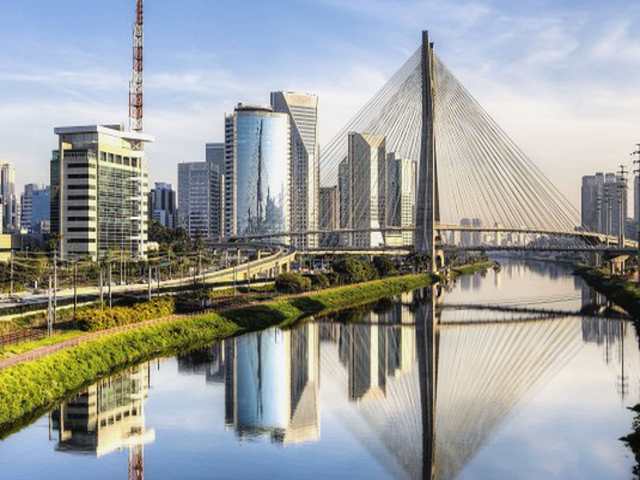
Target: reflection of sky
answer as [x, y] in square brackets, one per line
[569, 429]
[566, 428]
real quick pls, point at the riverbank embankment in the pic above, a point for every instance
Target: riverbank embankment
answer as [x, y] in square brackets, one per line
[44, 380]
[618, 290]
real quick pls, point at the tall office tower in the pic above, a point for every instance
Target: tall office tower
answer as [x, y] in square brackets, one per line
[257, 163]
[193, 198]
[10, 210]
[604, 203]
[329, 216]
[591, 196]
[401, 195]
[100, 189]
[614, 204]
[215, 160]
[162, 205]
[305, 163]
[367, 162]
[34, 208]
[344, 197]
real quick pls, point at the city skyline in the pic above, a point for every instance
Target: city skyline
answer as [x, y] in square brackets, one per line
[536, 89]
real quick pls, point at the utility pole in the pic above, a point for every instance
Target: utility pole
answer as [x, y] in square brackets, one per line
[148, 280]
[55, 284]
[49, 308]
[109, 273]
[622, 193]
[75, 289]
[636, 202]
[11, 281]
[101, 287]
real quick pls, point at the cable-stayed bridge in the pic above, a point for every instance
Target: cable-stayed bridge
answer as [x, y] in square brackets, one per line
[422, 166]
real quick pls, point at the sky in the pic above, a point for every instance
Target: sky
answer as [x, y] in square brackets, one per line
[560, 76]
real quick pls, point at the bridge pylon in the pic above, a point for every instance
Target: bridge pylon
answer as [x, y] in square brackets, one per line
[428, 201]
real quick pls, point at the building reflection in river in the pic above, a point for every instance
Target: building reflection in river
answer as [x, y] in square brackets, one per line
[272, 382]
[106, 417]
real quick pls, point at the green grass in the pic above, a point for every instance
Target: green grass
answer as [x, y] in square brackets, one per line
[17, 349]
[32, 387]
[472, 268]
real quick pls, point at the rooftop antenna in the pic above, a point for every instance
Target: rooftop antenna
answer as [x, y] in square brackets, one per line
[136, 84]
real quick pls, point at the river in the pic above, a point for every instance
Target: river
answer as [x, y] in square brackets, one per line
[488, 379]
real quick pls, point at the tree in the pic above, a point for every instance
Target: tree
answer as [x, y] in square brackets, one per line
[384, 266]
[354, 270]
[292, 283]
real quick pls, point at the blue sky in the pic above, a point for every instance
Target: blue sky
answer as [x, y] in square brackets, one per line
[560, 76]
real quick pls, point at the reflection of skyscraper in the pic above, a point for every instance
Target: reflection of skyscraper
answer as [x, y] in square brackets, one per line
[275, 381]
[380, 347]
[107, 416]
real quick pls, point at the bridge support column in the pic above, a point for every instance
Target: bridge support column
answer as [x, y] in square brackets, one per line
[427, 206]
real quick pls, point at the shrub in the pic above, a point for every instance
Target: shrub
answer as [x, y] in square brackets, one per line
[354, 270]
[292, 283]
[96, 318]
[384, 266]
[320, 281]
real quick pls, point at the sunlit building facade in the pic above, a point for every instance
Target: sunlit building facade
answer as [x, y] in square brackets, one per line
[367, 172]
[100, 189]
[304, 172]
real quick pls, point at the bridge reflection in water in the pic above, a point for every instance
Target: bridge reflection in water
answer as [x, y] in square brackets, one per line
[426, 386]
[426, 390]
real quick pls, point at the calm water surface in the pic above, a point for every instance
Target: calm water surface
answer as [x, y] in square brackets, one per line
[499, 392]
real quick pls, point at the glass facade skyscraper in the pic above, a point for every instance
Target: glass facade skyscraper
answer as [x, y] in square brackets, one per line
[257, 163]
[304, 172]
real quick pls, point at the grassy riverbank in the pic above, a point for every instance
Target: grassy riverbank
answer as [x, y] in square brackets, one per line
[473, 268]
[621, 292]
[38, 384]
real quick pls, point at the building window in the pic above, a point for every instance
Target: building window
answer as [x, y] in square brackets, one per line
[80, 165]
[81, 240]
[79, 208]
[81, 229]
[81, 176]
[81, 197]
[81, 187]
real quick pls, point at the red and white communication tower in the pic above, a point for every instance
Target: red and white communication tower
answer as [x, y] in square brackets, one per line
[136, 84]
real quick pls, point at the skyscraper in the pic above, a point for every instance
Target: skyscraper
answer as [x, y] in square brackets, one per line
[34, 205]
[257, 165]
[194, 199]
[305, 162]
[100, 188]
[401, 195]
[10, 210]
[215, 153]
[344, 197]
[329, 216]
[162, 205]
[604, 203]
[367, 163]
